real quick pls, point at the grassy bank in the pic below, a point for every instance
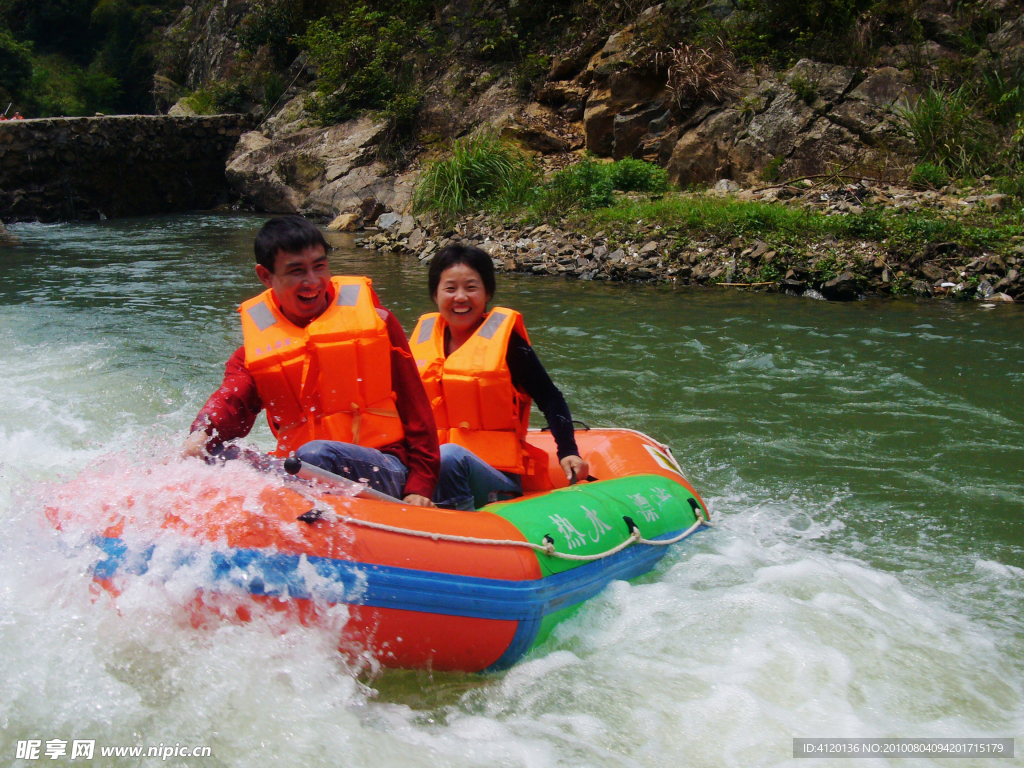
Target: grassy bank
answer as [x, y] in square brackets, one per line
[486, 174]
[620, 221]
[703, 217]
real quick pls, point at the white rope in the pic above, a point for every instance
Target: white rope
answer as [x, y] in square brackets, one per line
[665, 542]
[548, 548]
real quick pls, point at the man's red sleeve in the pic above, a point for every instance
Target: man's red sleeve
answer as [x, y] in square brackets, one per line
[419, 450]
[232, 409]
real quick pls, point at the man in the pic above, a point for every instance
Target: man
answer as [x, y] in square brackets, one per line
[331, 367]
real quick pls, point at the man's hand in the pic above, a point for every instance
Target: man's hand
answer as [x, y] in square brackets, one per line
[569, 463]
[194, 445]
[418, 501]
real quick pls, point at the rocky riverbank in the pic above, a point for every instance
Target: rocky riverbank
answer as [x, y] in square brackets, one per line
[659, 251]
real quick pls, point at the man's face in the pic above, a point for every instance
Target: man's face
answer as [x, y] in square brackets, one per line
[301, 282]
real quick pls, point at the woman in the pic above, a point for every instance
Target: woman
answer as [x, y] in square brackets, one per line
[481, 375]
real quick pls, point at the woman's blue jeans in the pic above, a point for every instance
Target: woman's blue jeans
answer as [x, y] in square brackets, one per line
[468, 482]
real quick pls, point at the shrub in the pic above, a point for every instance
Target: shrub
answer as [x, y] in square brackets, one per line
[1004, 91]
[782, 30]
[530, 71]
[15, 65]
[362, 60]
[583, 186]
[805, 90]
[271, 24]
[637, 176]
[62, 88]
[773, 170]
[947, 130]
[1011, 185]
[483, 172]
[929, 175]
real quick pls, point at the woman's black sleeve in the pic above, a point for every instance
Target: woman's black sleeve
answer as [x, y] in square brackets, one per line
[529, 376]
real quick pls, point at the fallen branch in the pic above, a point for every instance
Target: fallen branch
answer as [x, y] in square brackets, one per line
[817, 176]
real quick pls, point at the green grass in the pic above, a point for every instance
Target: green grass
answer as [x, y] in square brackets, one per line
[723, 219]
[487, 173]
[481, 173]
[949, 132]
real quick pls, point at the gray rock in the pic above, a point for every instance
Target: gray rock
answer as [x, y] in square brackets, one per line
[616, 256]
[842, 288]
[416, 238]
[921, 288]
[600, 251]
[407, 226]
[702, 154]
[389, 221]
[828, 82]
[996, 202]
[727, 185]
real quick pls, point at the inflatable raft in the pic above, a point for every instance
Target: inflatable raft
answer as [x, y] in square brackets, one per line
[424, 588]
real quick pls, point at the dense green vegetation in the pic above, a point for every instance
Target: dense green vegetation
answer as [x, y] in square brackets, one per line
[486, 173]
[74, 57]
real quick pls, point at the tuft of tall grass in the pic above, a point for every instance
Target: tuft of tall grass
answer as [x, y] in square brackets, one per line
[929, 175]
[482, 172]
[948, 132]
[1004, 89]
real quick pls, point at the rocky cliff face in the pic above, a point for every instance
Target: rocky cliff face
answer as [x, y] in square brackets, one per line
[203, 41]
[606, 98]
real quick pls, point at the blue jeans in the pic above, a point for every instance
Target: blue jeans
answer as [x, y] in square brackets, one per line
[381, 471]
[467, 482]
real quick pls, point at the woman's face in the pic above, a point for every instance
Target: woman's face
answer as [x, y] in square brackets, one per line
[461, 298]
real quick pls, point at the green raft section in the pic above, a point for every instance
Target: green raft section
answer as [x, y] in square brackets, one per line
[590, 519]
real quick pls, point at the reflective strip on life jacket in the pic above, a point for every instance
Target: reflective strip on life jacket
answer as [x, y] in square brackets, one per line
[330, 380]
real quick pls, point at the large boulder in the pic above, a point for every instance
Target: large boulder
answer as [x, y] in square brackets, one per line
[842, 288]
[372, 181]
[281, 172]
[818, 84]
[702, 154]
[774, 131]
[871, 111]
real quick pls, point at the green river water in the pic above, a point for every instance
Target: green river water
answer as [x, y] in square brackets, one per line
[864, 464]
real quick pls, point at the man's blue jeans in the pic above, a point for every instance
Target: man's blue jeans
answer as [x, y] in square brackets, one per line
[468, 482]
[381, 471]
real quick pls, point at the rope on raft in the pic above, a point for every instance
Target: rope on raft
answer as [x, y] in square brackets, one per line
[548, 547]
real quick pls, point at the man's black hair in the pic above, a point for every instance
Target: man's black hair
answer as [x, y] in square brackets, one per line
[469, 255]
[288, 234]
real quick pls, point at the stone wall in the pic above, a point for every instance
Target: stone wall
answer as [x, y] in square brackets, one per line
[87, 167]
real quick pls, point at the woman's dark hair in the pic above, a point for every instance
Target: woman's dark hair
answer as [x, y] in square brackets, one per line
[471, 256]
[290, 234]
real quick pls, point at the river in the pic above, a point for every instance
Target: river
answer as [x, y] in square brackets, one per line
[862, 462]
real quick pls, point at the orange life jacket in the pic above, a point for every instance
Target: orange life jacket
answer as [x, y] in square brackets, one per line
[475, 404]
[330, 380]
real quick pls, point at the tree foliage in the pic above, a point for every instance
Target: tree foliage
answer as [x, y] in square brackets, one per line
[81, 56]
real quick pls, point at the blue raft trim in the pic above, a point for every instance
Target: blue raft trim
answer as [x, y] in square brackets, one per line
[277, 574]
